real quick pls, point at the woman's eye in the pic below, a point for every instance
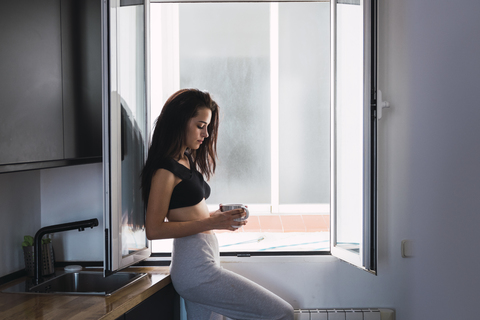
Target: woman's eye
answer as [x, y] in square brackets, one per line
[201, 127]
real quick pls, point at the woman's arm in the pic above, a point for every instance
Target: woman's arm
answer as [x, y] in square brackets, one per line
[163, 182]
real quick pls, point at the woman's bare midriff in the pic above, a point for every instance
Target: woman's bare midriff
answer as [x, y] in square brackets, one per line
[196, 212]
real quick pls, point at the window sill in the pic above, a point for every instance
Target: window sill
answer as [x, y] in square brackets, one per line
[324, 257]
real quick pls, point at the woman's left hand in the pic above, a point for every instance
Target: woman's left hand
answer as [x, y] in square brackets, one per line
[226, 220]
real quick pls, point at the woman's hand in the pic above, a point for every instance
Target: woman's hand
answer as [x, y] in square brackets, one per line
[226, 220]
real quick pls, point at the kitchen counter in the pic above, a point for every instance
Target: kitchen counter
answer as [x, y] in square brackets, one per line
[81, 307]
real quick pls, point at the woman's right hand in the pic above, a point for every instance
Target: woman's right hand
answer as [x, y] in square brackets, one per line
[226, 220]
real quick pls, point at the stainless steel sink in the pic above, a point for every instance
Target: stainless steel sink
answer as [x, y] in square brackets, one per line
[79, 283]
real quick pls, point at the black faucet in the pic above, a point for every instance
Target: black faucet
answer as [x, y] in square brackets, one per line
[37, 250]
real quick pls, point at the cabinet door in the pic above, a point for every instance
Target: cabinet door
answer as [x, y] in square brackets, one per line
[82, 77]
[31, 122]
[165, 305]
[50, 83]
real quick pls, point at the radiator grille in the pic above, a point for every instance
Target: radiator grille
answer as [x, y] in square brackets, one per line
[345, 314]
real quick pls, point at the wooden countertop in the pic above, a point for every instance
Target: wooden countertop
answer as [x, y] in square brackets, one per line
[81, 307]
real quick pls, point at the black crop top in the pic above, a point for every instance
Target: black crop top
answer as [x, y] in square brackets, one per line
[191, 190]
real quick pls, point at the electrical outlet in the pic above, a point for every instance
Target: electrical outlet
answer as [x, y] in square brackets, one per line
[407, 248]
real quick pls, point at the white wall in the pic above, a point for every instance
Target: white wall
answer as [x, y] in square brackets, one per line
[71, 194]
[20, 216]
[35, 199]
[444, 156]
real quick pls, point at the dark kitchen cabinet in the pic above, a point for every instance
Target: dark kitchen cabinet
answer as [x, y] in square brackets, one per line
[162, 305]
[50, 83]
[82, 78]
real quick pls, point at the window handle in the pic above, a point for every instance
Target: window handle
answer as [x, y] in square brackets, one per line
[381, 104]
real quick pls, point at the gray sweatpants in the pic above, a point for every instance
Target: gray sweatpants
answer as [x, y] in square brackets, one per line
[210, 291]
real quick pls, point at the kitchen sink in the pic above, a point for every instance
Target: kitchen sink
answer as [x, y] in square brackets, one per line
[79, 283]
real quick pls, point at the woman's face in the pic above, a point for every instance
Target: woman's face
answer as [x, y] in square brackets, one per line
[197, 128]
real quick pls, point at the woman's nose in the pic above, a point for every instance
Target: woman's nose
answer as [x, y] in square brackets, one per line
[205, 133]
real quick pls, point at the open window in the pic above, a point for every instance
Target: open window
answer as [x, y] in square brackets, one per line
[125, 130]
[280, 75]
[353, 127]
[267, 64]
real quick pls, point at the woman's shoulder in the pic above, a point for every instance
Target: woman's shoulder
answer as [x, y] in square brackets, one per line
[165, 163]
[174, 167]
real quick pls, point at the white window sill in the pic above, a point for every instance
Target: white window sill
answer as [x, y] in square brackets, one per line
[262, 259]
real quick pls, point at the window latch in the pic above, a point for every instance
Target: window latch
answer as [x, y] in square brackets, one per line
[381, 104]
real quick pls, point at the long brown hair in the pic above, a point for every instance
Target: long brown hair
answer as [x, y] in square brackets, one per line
[169, 135]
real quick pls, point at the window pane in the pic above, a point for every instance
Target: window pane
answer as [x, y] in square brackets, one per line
[354, 133]
[125, 141]
[131, 70]
[231, 50]
[304, 102]
[224, 49]
[349, 127]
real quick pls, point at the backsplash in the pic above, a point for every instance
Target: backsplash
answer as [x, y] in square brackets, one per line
[34, 199]
[21, 215]
[70, 194]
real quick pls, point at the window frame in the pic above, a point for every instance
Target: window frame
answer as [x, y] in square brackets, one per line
[114, 258]
[368, 259]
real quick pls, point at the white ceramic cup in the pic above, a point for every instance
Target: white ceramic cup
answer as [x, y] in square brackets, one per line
[232, 206]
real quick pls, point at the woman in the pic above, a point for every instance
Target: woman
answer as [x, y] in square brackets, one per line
[183, 142]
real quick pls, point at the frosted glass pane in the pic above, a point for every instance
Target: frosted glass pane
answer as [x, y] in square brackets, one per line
[131, 84]
[304, 108]
[349, 126]
[221, 53]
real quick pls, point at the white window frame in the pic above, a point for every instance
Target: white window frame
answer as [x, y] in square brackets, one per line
[367, 257]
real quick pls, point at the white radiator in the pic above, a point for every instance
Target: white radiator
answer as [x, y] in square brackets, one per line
[345, 314]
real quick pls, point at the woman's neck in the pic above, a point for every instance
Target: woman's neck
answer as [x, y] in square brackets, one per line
[182, 155]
